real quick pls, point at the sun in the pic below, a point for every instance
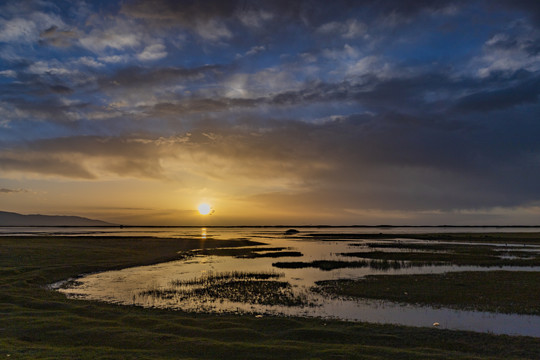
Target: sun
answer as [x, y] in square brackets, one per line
[204, 209]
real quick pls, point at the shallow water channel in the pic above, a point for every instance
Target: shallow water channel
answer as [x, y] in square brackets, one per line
[139, 285]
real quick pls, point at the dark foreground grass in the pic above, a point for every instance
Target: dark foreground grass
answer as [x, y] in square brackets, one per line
[494, 291]
[36, 323]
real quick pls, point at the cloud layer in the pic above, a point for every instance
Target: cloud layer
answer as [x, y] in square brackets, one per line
[333, 110]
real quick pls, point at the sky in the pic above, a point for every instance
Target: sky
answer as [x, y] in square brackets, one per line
[273, 112]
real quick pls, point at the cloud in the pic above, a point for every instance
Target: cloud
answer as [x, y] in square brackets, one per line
[45, 67]
[389, 161]
[134, 76]
[255, 50]
[504, 53]
[345, 53]
[349, 29]
[8, 73]
[351, 105]
[254, 18]
[88, 61]
[85, 158]
[112, 34]
[60, 38]
[27, 28]
[61, 89]
[415, 93]
[204, 19]
[213, 30]
[114, 59]
[526, 92]
[12, 191]
[183, 12]
[43, 165]
[18, 30]
[216, 20]
[152, 52]
[528, 7]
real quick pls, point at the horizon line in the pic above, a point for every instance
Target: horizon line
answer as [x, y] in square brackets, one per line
[276, 226]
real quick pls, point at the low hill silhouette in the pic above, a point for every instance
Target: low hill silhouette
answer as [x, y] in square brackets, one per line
[14, 219]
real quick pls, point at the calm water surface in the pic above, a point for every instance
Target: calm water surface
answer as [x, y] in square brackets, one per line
[125, 286]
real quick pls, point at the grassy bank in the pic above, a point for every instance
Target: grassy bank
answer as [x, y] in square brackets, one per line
[484, 256]
[36, 323]
[495, 291]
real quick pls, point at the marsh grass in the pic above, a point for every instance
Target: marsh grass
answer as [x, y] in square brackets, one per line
[212, 277]
[529, 238]
[378, 264]
[494, 291]
[235, 286]
[37, 323]
[249, 252]
[464, 256]
[275, 254]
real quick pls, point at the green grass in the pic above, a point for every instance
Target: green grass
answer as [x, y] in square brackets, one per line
[36, 323]
[494, 291]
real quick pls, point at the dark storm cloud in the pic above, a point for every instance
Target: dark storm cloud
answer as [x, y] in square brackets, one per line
[403, 94]
[310, 94]
[396, 161]
[387, 161]
[529, 43]
[190, 11]
[415, 163]
[529, 7]
[132, 77]
[219, 20]
[486, 101]
[61, 89]
[183, 11]
[204, 105]
[48, 109]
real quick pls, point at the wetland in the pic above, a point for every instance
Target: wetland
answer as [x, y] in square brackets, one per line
[40, 323]
[334, 276]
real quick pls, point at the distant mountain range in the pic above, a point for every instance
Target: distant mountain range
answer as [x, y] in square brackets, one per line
[14, 219]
